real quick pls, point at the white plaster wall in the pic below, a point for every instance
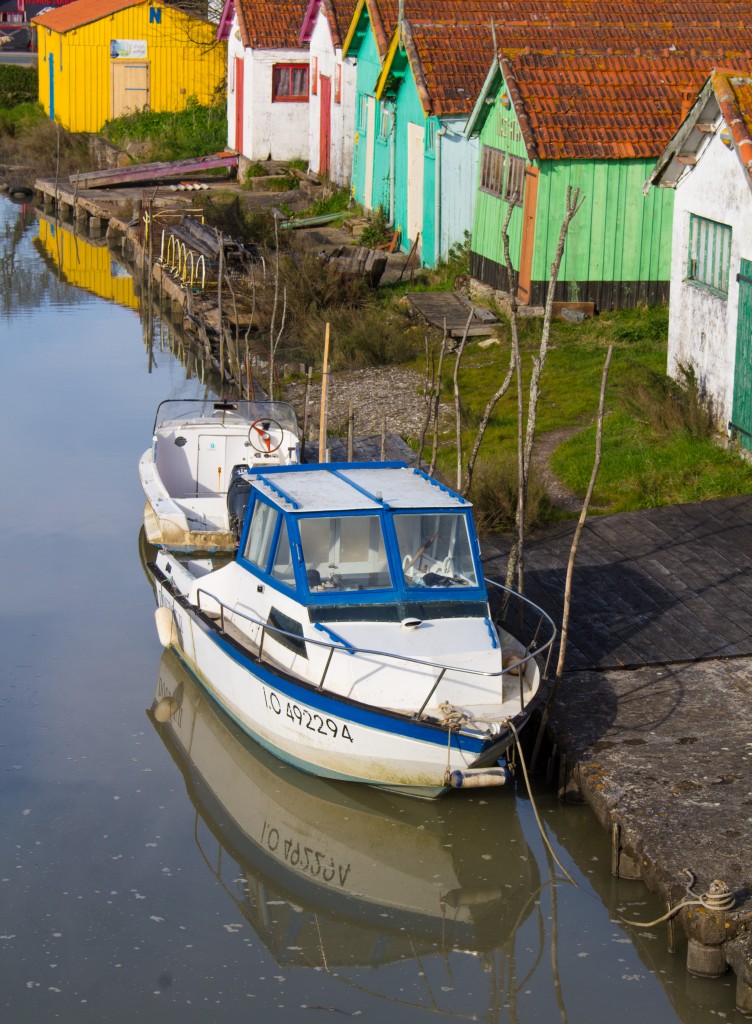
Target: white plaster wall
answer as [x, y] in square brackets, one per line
[277, 131]
[342, 114]
[702, 326]
[270, 130]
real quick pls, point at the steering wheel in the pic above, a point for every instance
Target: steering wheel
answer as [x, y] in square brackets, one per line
[265, 436]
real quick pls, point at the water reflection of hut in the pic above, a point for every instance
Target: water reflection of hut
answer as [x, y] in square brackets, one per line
[85, 264]
[329, 874]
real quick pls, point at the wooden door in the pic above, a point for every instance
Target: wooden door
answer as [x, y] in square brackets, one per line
[415, 163]
[741, 417]
[239, 89]
[129, 89]
[370, 147]
[527, 245]
[325, 124]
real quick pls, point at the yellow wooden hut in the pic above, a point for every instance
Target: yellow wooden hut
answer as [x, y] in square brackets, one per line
[100, 59]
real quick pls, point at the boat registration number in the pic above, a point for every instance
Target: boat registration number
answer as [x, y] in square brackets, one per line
[304, 718]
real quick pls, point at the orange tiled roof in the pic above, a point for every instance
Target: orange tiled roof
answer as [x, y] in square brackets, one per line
[606, 106]
[451, 75]
[338, 14]
[734, 95]
[81, 12]
[269, 24]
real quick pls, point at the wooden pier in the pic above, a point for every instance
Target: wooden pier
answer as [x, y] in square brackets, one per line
[652, 725]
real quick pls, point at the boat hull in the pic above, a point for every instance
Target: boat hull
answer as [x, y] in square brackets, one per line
[316, 731]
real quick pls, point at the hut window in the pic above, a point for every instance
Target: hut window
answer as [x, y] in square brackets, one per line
[385, 123]
[290, 83]
[363, 113]
[491, 170]
[709, 255]
[430, 137]
[515, 184]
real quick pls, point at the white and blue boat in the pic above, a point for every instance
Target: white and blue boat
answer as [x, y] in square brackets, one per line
[353, 635]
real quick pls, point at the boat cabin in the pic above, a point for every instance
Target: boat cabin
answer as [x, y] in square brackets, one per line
[379, 536]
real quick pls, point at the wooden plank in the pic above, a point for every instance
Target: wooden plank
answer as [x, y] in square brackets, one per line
[152, 171]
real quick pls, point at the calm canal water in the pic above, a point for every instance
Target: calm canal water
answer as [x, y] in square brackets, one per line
[174, 873]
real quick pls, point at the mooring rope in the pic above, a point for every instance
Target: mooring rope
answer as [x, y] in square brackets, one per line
[538, 821]
[717, 897]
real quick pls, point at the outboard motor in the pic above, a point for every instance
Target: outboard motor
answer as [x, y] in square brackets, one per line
[237, 499]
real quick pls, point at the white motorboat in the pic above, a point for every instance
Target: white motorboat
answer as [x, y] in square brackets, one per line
[187, 473]
[356, 876]
[353, 636]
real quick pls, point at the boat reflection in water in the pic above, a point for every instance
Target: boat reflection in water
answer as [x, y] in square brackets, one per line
[333, 874]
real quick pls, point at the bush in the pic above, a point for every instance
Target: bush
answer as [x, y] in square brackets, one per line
[196, 131]
[377, 231]
[670, 406]
[17, 85]
[494, 495]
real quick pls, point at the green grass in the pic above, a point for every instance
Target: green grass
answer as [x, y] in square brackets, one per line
[196, 131]
[642, 466]
[20, 117]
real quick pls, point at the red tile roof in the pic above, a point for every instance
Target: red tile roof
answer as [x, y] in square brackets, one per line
[338, 14]
[269, 24]
[452, 75]
[734, 95]
[82, 12]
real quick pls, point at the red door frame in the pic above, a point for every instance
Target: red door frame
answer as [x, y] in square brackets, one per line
[239, 67]
[325, 123]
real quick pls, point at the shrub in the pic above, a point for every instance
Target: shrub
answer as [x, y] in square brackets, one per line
[494, 495]
[670, 406]
[377, 231]
[17, 85]
[195, 131]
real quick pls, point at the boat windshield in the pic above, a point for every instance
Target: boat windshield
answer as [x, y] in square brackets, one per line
[229, 411]
[435, 549]
[344, 553]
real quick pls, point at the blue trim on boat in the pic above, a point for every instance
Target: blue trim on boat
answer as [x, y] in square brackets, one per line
[334, 636]
[437, 483]
[358, 714]
[358, 488]
[491, 632]
[278, 490]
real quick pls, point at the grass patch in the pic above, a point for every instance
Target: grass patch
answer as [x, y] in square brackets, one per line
[658, 446]
[196, 131]
[18, 85]
[14, 121]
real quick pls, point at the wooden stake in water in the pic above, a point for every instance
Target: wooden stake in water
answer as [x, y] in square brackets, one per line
[323, 412]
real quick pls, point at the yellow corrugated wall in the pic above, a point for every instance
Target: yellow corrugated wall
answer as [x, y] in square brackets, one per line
[184, 58]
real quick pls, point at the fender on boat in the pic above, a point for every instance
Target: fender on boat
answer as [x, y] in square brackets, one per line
[477, 778]
[166, 630]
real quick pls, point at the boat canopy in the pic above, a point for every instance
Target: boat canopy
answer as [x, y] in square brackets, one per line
[361, 534]
[230, 411]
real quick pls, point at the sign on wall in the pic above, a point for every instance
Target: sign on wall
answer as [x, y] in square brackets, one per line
[133, 49]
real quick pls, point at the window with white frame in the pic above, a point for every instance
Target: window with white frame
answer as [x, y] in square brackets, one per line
[385, 122]
[363, 113]
[709, 254]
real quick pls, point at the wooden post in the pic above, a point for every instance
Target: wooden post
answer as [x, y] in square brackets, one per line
[323, 412]
[383, 438]
[350, 431]
[306, 400]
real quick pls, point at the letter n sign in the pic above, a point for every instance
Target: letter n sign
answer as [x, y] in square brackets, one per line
[155, 15]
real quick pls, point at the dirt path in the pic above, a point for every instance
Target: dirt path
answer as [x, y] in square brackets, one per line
[557, 492]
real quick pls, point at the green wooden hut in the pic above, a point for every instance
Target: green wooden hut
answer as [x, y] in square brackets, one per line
[367, 41]
[547, 121]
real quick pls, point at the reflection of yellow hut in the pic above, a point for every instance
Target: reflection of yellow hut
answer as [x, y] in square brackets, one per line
[100, 59]
[87, 266]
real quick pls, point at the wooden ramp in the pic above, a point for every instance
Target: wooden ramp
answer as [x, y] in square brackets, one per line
[159, 171]
[454, 308]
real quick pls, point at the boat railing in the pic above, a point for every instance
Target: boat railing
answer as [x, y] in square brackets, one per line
[513, 605]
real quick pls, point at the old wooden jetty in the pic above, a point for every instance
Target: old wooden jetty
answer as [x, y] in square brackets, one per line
[652, 725]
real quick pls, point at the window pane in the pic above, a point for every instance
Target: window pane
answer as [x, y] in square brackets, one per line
[344, 553]
[299, 77]
[282, 569]
[709, 255]
[258, 546]
[435, 550]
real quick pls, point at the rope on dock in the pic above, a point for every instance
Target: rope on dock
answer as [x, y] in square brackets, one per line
[718, 897]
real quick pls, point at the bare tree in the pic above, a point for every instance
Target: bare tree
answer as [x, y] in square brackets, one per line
[516, 562]
[274, 340]
[457, 407]
[573, 554]
[437, 403]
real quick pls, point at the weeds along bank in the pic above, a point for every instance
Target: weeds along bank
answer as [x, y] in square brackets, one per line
[658, 444]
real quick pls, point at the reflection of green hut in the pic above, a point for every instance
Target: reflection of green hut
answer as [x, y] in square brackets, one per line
[596, 123]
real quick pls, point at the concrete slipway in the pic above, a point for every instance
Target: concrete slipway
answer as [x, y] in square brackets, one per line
[652, 725]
